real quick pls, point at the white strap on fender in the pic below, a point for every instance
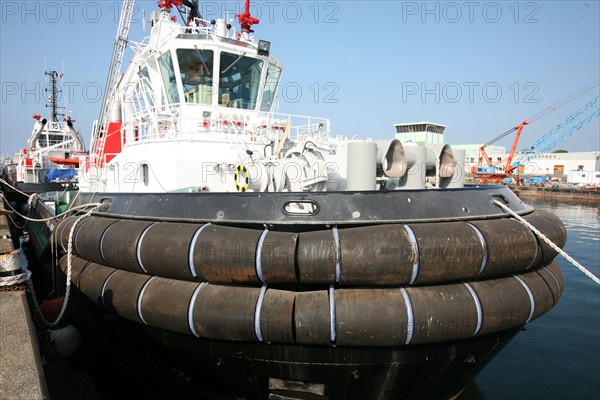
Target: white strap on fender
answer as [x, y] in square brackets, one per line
[191, 263]
[259, 302]
[483, 247]
[332, 313]
[191, 309]
[104, 286]
[139, 246]
[259, 247]
[478, 306]
[554, 276]
[531, 298]
[338, 255]
[410, 324]
[139, 301]
[415, 249]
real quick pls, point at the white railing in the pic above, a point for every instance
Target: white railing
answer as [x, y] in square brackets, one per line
[204, 122]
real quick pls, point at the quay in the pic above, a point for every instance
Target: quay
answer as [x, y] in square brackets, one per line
[21, 372]
[592, 195]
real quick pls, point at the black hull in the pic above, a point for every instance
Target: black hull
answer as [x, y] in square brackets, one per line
[212, 369]
[32, 188]
[383, 295]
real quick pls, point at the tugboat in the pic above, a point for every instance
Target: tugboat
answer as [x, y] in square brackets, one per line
[49, 161]
[290, 262]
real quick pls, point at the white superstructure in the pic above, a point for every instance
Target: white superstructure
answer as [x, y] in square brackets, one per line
[194, 113]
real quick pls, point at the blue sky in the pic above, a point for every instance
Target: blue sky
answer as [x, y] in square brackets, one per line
[478, 67]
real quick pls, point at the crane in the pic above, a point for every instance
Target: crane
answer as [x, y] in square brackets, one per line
[100, 133]
[570, 125]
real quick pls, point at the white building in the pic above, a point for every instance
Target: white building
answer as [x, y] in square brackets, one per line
[558, 165]
[584, 178]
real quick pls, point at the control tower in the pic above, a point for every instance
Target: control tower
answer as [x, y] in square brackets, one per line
[421, 133]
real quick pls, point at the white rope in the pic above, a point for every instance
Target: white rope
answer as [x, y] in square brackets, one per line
[69, 258]
[49, 218]
[545, 239]
[14, 188]
[68, 283]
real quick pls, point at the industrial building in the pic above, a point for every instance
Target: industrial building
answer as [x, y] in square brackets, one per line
[572, 167]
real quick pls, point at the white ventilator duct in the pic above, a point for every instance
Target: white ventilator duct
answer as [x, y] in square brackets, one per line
[440, 163]
[412, 164]
[405, 163]
[392, 158]
[458, 179]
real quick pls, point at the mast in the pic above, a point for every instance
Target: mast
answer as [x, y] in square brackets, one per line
[53, 95]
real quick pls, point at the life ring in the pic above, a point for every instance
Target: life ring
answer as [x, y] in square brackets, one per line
[241, 169]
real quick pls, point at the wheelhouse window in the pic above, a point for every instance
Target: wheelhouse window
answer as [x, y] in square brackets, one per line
[271, 83]
[196, 68]
[147, 86]
[168, 76]
[239, 81]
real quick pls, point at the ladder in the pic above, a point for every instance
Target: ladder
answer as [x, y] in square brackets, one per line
[110, 91]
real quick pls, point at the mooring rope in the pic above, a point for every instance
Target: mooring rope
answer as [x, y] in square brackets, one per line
[15, 279]
[14, 188]
[545, 239]
[49, 218]
[68, 273]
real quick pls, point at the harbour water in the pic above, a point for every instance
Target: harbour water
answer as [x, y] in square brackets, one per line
[558, 355]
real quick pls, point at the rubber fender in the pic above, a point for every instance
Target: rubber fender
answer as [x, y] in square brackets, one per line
[505, 303]
[370, 317]
[225, 312]
[552, 227]
[165, 248]
[164, 303]
[380, 255]
[92, 280]
[317, 257]
[77, 266]
[546, 286]
[88, 237]
[448, 251]
[276, 313]
[226, 254]
[119, 244]
[278, 257]
[510, 245]
[312, 319]
[122, 292]
[61, 234]
[442, 313]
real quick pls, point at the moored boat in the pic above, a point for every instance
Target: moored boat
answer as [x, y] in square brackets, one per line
[46, 164]
[290, 262]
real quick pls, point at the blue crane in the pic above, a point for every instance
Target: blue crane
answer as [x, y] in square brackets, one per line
[570, 125]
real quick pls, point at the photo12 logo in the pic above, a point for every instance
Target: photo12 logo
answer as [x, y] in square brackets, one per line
[29, 12]
[275, 11]
[37, 92]
[469, 92]
[452, 12]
